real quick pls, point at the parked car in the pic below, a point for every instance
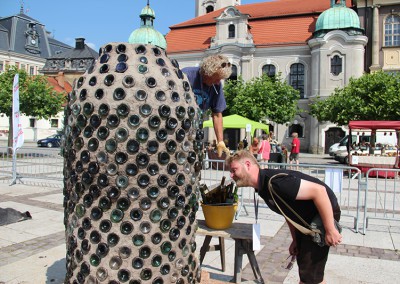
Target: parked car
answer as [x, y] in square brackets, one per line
[342, 144]
[333, 149]
[342, 156]
[50, 142]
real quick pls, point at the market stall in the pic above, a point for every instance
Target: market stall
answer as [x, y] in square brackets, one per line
[381, 152]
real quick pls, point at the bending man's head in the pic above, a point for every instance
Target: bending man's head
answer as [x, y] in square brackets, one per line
[243, 168]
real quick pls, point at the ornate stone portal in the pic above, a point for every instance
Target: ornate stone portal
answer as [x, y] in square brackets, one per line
[133, 151]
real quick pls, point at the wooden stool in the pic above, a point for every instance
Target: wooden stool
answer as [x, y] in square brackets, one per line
[242, 234]
[220, 247]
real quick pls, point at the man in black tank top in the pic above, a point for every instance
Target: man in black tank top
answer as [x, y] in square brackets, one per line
[307, 196]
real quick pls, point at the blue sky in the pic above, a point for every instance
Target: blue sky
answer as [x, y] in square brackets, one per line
[100, 21]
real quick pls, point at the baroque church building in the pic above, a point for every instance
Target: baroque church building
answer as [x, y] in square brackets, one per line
[316, 46]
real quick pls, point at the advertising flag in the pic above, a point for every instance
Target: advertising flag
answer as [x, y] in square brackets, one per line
[18, 134]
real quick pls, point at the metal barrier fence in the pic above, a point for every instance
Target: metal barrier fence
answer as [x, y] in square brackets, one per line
[375, 197]
[32, 163]
[344, 180]
[213, 171]
[382, 195]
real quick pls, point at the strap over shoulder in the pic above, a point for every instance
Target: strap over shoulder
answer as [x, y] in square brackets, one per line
[307, 230]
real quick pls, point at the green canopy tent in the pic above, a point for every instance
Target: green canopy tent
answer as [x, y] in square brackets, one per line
[237, 121]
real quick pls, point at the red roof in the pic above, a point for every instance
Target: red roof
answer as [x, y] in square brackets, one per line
[64, 88]
[57, 87]
[281, 22]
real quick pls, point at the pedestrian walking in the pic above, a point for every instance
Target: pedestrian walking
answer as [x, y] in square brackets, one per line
[295, 151]
[264, 151]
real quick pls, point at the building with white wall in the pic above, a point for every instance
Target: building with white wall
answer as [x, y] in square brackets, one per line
[25, 43]
[316, 46]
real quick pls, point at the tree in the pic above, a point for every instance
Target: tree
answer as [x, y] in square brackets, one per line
[371, 97]
[37, 98]
[262, 97]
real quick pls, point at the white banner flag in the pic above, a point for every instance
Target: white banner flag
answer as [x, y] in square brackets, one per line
[18, 134]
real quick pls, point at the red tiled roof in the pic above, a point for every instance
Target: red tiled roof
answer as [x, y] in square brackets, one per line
[281, 22]
[190, 39]
[60, 89]
[57, 87]
[286, 31]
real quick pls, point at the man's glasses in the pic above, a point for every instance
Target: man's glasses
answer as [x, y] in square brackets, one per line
[223, 65]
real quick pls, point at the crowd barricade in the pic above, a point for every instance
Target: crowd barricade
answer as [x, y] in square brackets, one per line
[5, 165]
[213, 171]
[32, 164]
[382, 196]
[373, 197]
[345, 181]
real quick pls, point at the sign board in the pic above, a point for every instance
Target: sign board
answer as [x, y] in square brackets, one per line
[18, 134]
[248, 127]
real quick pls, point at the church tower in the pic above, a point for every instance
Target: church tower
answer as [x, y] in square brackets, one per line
[206, 6]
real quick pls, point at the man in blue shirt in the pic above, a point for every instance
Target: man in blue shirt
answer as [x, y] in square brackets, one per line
[208, 90]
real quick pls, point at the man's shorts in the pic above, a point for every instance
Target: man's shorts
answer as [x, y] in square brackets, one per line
[312, 258]
[294, 156]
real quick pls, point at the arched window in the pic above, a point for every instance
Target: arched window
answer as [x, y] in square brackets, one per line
[296, 128]
[231, 31]
[234, 74]
[209, 9]
[296, 79]
[392, 30]
[336, 65]
[269, 70]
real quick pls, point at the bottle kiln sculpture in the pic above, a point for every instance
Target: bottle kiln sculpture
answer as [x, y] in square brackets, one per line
[133, 151]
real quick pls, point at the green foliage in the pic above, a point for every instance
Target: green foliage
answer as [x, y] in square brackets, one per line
[37, 98]
[260, 98]
[371, 97]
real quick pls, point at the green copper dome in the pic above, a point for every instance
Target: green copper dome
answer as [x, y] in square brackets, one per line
[147, 11]
[146, 34]
[338, 17]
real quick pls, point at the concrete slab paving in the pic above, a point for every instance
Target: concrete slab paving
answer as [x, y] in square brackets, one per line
[382, 240]
[50, 215]
[23, 189]
[11, 236]
[363, 270]
[350, 238]
[395, 239]
[22, 207]
[53, 198]
[45, 267]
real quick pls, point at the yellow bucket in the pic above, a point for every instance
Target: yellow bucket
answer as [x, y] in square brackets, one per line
[219, 216]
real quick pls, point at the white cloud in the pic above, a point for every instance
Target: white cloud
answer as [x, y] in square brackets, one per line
[91, 45]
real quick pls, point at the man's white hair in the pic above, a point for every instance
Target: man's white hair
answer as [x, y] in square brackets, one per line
[213, 64]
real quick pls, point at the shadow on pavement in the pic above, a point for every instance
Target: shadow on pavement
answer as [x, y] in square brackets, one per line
[56, 272]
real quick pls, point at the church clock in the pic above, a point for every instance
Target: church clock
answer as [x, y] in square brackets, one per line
[32, 39]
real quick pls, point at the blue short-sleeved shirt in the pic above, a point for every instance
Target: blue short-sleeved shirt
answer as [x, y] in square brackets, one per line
[207, 97]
